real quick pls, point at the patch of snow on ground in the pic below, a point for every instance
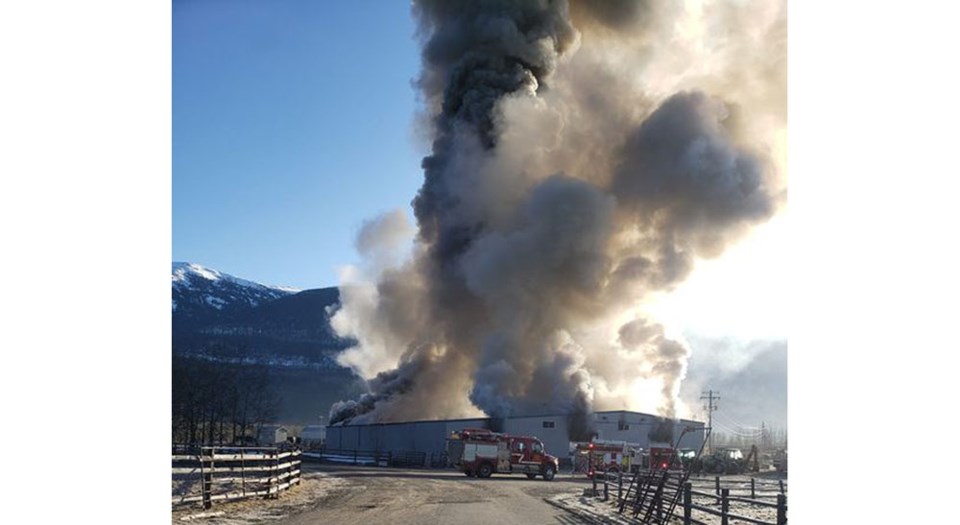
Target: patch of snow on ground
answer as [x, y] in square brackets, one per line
[598, 511]
[313, 489]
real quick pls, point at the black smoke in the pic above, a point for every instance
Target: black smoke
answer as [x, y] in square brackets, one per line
[661, 431]
[553, 204]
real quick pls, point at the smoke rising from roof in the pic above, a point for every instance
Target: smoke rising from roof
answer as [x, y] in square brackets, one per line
[577, 170]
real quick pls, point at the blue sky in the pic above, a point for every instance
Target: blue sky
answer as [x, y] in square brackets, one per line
[293, 122]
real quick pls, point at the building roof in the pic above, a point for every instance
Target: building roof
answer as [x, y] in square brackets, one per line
[644, 414]
[408, 422]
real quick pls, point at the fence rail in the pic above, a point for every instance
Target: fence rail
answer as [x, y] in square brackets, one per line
[227, 473]
[658, 507]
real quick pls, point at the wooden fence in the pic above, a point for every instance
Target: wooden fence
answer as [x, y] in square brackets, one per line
[614, 485]
[226, 473]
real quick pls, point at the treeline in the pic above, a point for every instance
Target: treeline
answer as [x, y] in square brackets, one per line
[766, 439]
[218, 403]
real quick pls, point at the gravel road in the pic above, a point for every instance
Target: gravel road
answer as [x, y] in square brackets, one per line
[379, 495]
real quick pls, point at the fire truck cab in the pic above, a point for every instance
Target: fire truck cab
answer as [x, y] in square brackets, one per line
[480, 452]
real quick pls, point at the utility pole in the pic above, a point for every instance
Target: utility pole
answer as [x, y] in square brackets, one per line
[710, 397]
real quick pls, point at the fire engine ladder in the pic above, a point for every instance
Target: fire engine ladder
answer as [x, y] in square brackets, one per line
[647, 490]
[640, 487]
[642, 491]
[632, 489]
[686, 473]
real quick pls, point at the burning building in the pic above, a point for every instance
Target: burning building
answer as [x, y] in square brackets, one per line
[584, 156]
[429, 437]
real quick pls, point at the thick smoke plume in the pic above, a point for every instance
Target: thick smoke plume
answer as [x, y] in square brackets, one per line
[584, 156]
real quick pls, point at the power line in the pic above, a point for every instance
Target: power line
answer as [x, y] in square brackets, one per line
[736, 428]
[736, 423]
[738, 433]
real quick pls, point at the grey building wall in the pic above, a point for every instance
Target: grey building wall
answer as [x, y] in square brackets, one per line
[431, 436]
[315, 433]
[551, 430]
[415, 436]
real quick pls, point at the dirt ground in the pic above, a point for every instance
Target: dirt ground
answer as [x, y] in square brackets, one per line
[354, 495]
[314, 487]
[348, 495]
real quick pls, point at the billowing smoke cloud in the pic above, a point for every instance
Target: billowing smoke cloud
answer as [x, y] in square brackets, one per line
[577, 170]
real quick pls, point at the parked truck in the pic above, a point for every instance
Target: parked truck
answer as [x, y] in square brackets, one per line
[662, 456]
[480, 452]
[604, 456]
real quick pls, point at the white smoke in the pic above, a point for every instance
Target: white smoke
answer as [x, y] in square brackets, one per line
[585, 157]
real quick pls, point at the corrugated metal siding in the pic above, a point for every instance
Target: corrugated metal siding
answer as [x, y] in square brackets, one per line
[430, 436]
[554, 439]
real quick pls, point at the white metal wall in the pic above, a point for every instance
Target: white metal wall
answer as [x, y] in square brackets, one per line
[634, 427]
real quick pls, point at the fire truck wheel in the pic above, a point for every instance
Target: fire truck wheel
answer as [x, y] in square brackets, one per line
[549, 472]
[484, 471]
[531, 476]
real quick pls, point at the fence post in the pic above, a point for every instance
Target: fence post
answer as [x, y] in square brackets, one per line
[243, 475]
[658, 497]
[718, 485]
[289, 471]
[274, 471]
[753, 489]
[687, 503]
[594, 479]
[724, 506]
[781, 487]
[619, 486]
[207, 483]
[781, 509]
[606, 488]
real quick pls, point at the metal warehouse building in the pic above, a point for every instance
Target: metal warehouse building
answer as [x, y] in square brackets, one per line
[429, 437]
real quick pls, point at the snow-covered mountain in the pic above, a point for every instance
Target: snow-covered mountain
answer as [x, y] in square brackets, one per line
[198, 288]
[217, 314]
[223, 320]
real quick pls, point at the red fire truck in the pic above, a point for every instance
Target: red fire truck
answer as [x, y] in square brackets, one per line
[480, 452]
[662, 457]
[604, 456]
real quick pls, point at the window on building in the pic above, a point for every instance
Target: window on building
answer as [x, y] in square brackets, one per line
[548, 424]
[622, 425]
